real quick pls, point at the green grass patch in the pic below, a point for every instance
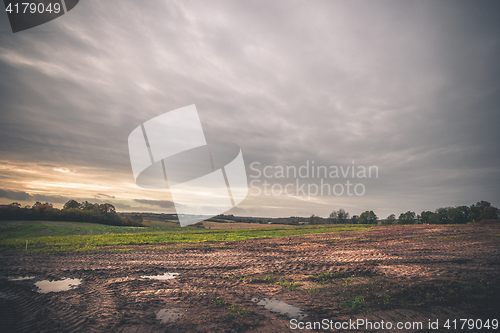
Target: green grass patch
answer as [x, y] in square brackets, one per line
[237, 309]
[313, 290]
[47, 236]
[269, 279]
[219, 301]
[475, 295]
[289, 283]
[356, 305]
[240, 278]
[234, 311]
[30, 229]
[324, 277]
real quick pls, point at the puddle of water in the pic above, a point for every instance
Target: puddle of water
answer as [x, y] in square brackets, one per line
[166, 276]
[275, 305]
[168, 315]
[21, 278]
[47, 286]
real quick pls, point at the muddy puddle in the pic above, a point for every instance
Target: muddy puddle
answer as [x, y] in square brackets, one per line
[47, 286]
[166, 276]
[275, 305]
[169, 315]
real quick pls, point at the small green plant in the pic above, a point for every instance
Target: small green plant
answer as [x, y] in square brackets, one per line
[289, 284]
[219, 301]
[313, 290]
[324, 277]
[387, 300]
[245, 277]
[235, 310]
[268, 278]
[332, 240]
[346, 281]
[355, 305]
[241, 278]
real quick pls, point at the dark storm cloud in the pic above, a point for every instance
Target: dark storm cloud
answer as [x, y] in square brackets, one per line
[14, 195]
[412, 87]
[159, 203]
[102, 195]
[23, 196]
[121, 206]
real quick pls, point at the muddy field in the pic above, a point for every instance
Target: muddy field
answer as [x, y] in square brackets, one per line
[394, 273]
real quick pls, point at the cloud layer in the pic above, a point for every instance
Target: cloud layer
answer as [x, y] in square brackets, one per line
[412, 88]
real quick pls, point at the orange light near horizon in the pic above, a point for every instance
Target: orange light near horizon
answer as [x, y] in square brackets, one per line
[71, 181]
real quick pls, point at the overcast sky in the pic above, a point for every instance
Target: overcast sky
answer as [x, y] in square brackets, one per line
[410, 87]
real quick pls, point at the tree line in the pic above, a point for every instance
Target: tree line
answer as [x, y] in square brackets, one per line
[482, 210]
[106, 214]
[72, 211]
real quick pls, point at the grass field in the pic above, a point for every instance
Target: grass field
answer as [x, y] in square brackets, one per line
[48, 236]
[236, 225]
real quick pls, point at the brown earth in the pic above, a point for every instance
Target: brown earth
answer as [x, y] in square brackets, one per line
[397, 273]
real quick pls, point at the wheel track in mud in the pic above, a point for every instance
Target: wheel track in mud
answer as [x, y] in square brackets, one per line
[112, 290]
[20, 310]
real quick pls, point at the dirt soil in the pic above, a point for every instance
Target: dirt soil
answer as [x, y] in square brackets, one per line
[400, 273]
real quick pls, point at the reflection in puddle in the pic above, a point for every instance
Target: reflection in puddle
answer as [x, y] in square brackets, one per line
[21, 278]
[168, 315]
[47, 286]
[166, 276]
[274, 305]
